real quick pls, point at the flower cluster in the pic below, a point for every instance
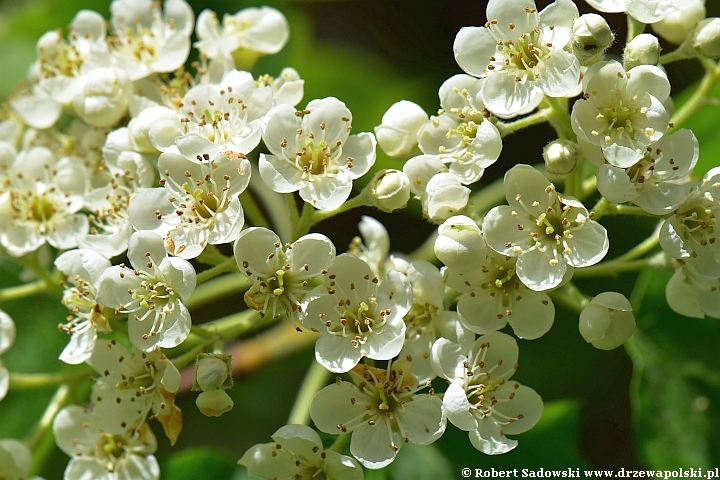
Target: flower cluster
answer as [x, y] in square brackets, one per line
[144, 179]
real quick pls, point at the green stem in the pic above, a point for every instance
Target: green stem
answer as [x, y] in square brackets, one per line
[698, 98]
[274, 204]
[677, 54]
[24, 381]
[560, 118]
[604, 207]
[315, 379]
[211, 256]
[613, 268]
[252, 210]
[41, 441]
[634, 28]
[306, 221]
[339, 442]
[188, 357]
[227, 266]
[294, 215]
[364, 198]
[540, 116]
[216, 289]
[22, 291]
[570, 297]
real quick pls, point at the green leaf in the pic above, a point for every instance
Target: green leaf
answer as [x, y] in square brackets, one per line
[199, 462]
[676, 386]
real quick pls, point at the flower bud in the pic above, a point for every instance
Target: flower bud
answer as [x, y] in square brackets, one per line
[460, 244]
[104, 97]
[676, 26]
[397, 134]
[591, 37]
[214, 403]
[607, 321]
[707, 37]
[15, 459]
[391, 190]
[213, 371]
[641, 50]
[561, 156]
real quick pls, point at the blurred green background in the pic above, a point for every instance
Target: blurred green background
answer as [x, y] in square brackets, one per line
[653, 405]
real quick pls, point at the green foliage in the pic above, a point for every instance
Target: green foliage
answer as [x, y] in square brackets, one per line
[196, 463]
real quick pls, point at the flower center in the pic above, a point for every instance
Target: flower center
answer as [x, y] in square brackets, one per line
[314, 158]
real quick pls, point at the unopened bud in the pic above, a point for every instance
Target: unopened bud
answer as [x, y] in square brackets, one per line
[397, 134]
[391, 190]
[15, 459]
[104, 96]
[561, 156]
[213, 371]
[676, 26]
[591, 37]
[607, 321]
[641, 50]
[214, 403]
[707, 37]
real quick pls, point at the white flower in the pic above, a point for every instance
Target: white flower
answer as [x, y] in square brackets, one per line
[460, 134]
[130, 386]
[622, 112]
[42, 202]
[607, 321]
[101, 455]
[398, 130]
[15, 460]
[645, 11]
[548, 232]
[151, 293]
[493, 296]
[439, 191]
[7, 337]
[242, 37]
[428, 319]
[390, 190]
[521, 54]
[369, 323]
[103, 96]
[312, 151]
[212, 117]
[199, 203]
[677, 25]
[382, 410]
[147, 40]
[481, 398]
[82, 269]
[689, 234]
[297, 452]
[655, 183]
[281, 274]
[691, 294]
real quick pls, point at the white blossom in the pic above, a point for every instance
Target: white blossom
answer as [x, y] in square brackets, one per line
[242, 37]
[521, 54]
[656, 182]
[460, 134]
[151, 293]
[82, 269]
[549, 233]
[692, 294]
[147, 39]
[131, 385]
[100, 455]
[42, 203]
[312, 151]
[282, 275]
[369, 323]
[689, 234]
[621, 112]
[198, 203]
[439, 191]
[297, 452]
[645, 11]
[382, 409]
[15, 460]
[481, 398]
[677, 25]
